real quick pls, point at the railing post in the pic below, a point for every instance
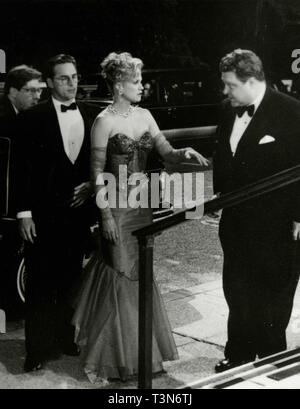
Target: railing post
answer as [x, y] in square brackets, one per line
[146, 236]
[146, 244]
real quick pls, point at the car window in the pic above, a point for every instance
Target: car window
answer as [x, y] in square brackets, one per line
[93, 86]
[162, 87]
[180, 87]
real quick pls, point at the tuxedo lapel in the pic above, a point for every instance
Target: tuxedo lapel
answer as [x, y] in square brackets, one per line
[226, 130]
[229, 125]
[256, 127]
[87, 120]
[53, 129]
[9, 109]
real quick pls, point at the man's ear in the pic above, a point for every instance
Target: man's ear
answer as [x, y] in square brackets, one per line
[50, 83]
[13, 92]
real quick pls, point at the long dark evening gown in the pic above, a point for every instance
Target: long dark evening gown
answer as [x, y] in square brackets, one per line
[106, 316]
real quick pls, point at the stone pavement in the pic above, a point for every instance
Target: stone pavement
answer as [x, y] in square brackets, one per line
[205, 312]
[198, 316]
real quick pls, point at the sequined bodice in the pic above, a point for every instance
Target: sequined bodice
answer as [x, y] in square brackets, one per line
[122, 150]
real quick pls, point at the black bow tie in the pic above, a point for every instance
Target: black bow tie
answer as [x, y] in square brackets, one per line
[65, 108]
[241, 110]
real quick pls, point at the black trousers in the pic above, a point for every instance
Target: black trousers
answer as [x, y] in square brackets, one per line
[260, 277]
[54, 266]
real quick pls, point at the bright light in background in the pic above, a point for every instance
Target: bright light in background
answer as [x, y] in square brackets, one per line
[2, 61]
[2, 322]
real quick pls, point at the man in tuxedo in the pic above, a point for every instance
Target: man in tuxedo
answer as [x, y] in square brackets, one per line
[259, 135]
[22, 90]
[54, 209]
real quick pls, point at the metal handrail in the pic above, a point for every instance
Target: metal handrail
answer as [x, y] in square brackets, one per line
[236, 197]
[195, 133]
[146, 236]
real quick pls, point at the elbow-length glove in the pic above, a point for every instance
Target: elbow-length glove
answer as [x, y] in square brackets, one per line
[166, 150]
[98, 161]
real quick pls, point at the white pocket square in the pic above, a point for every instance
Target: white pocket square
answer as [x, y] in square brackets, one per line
[266, 139]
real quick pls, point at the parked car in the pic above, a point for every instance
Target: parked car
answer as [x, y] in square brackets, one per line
[177, 98]
[12, 270]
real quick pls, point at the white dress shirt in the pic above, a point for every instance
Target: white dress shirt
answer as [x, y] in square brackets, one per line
[72, 130]
[241, 124]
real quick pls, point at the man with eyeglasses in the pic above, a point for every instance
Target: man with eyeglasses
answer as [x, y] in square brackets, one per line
[54, 209]
[22, 90]
[16, 98]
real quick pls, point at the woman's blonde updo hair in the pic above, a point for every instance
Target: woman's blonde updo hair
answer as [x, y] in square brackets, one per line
[118, 67]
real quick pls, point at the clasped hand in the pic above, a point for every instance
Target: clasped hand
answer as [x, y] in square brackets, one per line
[296, 231]
[81, 194]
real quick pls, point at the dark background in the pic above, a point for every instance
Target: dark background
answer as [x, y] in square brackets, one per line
[164, 33]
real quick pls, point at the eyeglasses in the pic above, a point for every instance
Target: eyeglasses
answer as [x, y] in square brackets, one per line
[33, 91]
[65, 79]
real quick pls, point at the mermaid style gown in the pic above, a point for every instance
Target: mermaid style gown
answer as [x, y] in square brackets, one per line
[106, 316]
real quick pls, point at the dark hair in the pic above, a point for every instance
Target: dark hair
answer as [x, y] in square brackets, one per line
[18, 76]
[244, 63]
[58, 59]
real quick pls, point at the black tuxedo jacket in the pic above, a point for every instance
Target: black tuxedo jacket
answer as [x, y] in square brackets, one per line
[46, 176]
[8, 118]
[277, 116]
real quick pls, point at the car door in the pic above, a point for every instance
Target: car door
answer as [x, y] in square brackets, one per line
[12, 269]
[5, 147]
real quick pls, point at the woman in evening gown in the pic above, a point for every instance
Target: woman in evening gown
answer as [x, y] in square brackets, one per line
[106, 316]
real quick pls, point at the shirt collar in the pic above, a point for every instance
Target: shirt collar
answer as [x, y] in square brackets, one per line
[58, 103]
[8, 99]
[15, 108]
